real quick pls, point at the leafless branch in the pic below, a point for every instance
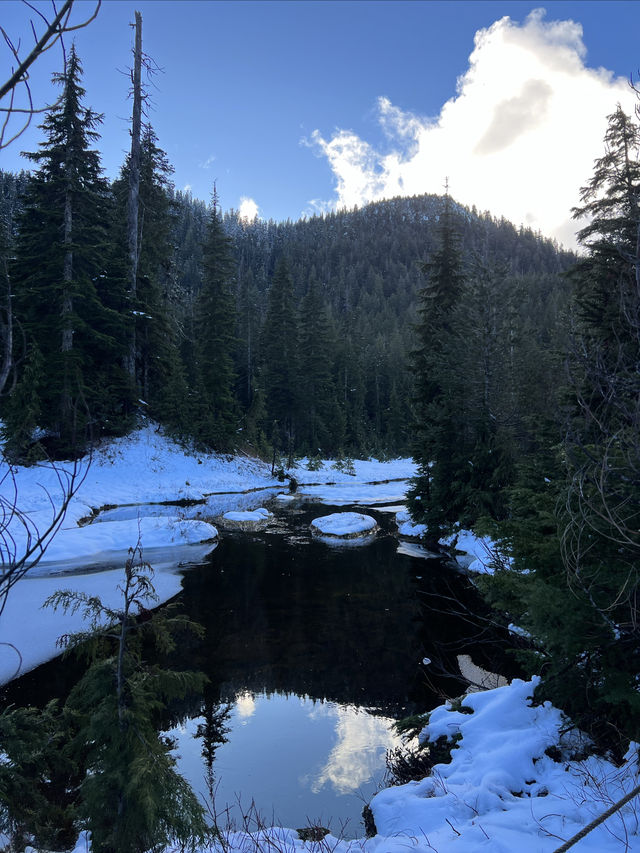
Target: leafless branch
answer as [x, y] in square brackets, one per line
[47, 32]
[23, 541]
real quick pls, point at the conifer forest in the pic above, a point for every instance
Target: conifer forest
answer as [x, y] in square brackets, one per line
[506, 366]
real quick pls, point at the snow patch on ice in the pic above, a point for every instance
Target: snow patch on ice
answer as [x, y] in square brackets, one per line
[248, 520]
[29, 632]
[97, 542]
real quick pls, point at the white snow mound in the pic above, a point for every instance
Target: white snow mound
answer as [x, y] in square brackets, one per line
[503, 790]
[344, 524]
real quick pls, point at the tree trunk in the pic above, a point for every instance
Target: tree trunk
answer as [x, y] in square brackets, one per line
[134, 189]
[67, 276]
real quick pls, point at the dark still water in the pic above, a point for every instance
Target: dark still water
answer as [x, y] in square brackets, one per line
[312, 651]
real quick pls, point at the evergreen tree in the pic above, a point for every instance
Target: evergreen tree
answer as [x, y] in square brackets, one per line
[155, 360]
[216, 342]
[279, 349]
[480, 374]
[248, 311]
[575, 541]
[60, 255]
[316, 380]
[132, 799]
[437, 494]
[37, 779]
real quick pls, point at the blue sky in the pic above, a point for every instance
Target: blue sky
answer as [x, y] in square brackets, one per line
[299, 106]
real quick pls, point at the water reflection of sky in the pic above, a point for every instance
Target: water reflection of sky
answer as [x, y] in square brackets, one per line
[359, 752]
[298, 759]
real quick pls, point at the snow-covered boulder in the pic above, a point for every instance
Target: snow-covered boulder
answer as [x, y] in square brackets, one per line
[407, 528]
[340, 526]
[287, 497]
[255, 519]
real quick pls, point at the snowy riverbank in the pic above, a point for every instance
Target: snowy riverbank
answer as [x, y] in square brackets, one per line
[512, 783]
[122, 498]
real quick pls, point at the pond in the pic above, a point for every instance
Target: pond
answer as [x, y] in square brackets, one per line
[312, 651]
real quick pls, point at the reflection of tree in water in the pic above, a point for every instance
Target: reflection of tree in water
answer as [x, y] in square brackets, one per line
[213, 731]
[307, 620]
[347, 625]
[298, 617]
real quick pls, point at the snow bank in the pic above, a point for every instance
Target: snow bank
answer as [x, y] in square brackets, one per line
[502, 791]
[344, 525]
[366, 471]
[109, 540]
[364, 494]
[374, 482]
[406, 527]
[142, 468]
[260, 514]
[29, 632]
[476, 552]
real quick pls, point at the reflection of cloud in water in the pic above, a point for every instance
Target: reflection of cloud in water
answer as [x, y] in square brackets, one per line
[360, 750]
[245, 705]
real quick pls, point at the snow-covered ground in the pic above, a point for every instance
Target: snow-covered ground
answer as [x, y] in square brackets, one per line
[502, 790]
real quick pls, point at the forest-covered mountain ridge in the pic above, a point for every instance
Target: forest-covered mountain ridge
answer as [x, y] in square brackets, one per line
[349, 311]
[403, 229]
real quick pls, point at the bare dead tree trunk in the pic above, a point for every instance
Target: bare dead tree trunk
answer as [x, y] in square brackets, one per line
[66, 310]
[134, 186]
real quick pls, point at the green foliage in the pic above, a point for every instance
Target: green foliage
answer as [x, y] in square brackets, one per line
[410, 727]
[22, 412]
[60, 257]
[279, 350]
[35, 797]
[316, 431]
[216, 342]
[132, 799]
[436, 496]
[345, 464]
[574, 511]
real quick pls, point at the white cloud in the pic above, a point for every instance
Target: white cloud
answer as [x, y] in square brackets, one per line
[208, 163]
[519, 138]
[248, 209]
[362, 742]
